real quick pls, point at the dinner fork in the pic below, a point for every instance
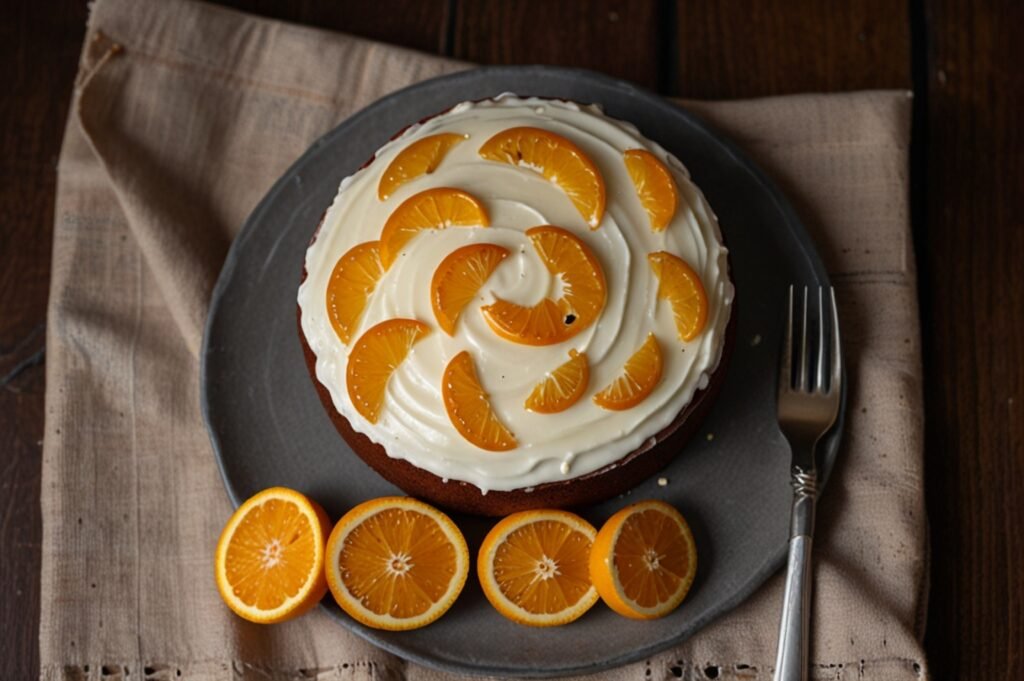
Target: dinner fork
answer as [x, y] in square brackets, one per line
[807, 406]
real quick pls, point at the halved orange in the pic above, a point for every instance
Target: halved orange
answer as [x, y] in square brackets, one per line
[680, 285]
[558, 160]
[644, 560]
[563, 387]
[654, 186]
[459, 277]
[469, 407]
[431, 209]
[639, 377]
[270, 556]
[419, 158]
[396, 563]
[373, 359]
[534, 567]
[353, 279]
[584, 293]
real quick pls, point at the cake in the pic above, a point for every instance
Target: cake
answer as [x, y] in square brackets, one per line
[517, 303]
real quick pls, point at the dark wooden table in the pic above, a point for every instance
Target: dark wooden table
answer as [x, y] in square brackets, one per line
[964, 60]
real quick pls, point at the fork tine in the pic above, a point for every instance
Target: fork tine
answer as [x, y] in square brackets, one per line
[786, 366]
[837, 357]
[801, 382]
[819, 383]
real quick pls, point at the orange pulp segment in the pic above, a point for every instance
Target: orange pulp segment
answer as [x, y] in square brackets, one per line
[644, 560]
[431, 209]
[654, 187]
[681, 286]
[459, 277]
[419, 158]
[563, 387]
[639, 376]
[353, 279]
[469, 408]
[396, 563]
[558, 160]
[373, 359]
[584, 293]
[270, 557]
[534, 567]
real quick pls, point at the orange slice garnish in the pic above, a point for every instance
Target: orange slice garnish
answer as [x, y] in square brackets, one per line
[534, 567]
[469, 408]
[396, 563]
[558, 160]
[681, 286]
[644, 560]
[353, 279]
[459, 277]
[431, 209]
[563, 387]
[419, 158]
[373, 359]
[270, 557]
[654, 187]
[583, 293]
[639, 376]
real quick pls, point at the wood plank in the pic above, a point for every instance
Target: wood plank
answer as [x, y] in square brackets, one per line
[752, 48]
[612, 36]
[973, 306]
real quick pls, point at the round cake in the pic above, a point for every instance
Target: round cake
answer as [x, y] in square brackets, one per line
[517, 303]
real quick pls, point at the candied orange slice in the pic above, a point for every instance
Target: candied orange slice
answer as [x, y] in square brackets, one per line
[563, 387]
[583, 293]
[396, 563]
[469, 407]
[431, 209]
[639, 376]
[558, 160]
[644, 560]
[654, 186]
[419, 158]
[534, 567]
[373, 359]
[270, 557]
[680, 285]
[459, 277]
[353, 279]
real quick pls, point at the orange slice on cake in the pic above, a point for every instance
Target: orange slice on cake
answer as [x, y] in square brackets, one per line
[459, 277]
[639, 377]
[373, 359]
[396, 563]
[680, 285]
[419, 158]
[584, 293]
[431, 209]
[353, 279]
[558, 160]
[654, 187]
[469, 407]
[563, 387]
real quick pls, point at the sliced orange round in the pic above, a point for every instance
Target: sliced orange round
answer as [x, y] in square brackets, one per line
[431, 209]
[584, 293]
[644, 560]
[353, 279]
[534, 567]
[681, 286]
[419, 158]
[270, 557]
[563, 387]
[558, 160]
[469, 407]
[373, 359]
[396, 563]
[639, 377]
[459, 277]
[654, 186]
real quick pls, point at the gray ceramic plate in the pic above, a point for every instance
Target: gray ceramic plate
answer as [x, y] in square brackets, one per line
[268, 427]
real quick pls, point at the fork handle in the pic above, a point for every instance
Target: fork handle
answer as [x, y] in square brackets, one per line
[794, 627]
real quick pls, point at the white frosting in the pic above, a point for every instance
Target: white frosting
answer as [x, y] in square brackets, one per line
[413, 424]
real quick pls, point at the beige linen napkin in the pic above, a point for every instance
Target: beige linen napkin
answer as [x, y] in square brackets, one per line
[183, 117]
